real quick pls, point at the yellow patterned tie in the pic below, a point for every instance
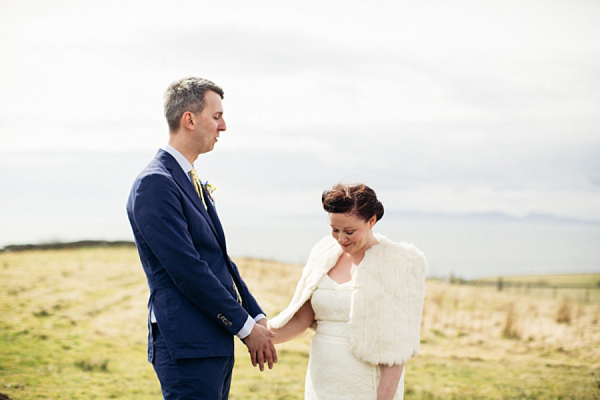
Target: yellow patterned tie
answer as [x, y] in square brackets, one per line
[198, 187]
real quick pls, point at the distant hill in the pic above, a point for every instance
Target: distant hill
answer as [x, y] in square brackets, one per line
[68, 245]
[492, 216]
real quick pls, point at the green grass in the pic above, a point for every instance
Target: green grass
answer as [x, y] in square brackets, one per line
[73, 326]
[477, 380]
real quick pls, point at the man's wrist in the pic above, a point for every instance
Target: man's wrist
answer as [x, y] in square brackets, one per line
[246, 329]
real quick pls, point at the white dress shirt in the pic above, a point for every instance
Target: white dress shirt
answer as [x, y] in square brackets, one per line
[187, 167]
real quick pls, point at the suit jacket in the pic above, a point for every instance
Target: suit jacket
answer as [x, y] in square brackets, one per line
[183, 252]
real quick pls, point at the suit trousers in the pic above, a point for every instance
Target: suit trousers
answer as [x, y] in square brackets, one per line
[190, 378]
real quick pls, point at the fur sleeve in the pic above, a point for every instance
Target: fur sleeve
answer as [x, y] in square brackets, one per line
[322, 258]
[385, 318]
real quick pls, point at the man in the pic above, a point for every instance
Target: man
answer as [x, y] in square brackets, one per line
[198, 300]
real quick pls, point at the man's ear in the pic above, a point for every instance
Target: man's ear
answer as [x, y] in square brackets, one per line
[188, 120]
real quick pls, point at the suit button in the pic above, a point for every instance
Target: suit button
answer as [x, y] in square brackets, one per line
[224, 320]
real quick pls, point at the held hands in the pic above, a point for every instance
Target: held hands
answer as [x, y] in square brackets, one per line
[260, 346]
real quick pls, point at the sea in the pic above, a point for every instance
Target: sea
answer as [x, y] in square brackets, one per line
[462, 248]
[466, 249]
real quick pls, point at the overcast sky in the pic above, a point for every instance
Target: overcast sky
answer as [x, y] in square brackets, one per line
[440, 106]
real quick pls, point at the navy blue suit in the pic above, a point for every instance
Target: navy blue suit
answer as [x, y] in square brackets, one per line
[183, 252]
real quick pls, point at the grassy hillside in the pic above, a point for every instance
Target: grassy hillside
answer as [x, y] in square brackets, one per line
[73, 326]
[587, 280]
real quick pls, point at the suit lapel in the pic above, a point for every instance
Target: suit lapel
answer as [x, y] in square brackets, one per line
[186, 185]
[212, 213]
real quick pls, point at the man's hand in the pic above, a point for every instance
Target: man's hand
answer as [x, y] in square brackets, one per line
[260, 346]
[263, 322]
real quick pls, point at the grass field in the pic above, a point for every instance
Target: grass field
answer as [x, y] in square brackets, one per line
[73, 326]
[579, 287]
[584, 280]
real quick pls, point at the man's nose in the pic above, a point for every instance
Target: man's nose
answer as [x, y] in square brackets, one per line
[223, 126]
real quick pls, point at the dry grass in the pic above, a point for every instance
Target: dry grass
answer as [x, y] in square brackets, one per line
[540, 322]
[73, 325]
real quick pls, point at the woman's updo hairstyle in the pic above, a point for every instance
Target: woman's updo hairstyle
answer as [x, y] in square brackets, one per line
[357, 199]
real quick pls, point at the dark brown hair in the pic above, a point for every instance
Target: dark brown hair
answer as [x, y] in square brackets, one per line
[357, 199]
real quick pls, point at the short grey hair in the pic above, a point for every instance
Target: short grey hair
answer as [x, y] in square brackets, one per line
[186, 94]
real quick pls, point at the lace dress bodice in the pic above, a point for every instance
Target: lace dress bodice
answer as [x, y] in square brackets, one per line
[331, 304]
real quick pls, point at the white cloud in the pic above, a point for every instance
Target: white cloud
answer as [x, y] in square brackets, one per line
[442, 106]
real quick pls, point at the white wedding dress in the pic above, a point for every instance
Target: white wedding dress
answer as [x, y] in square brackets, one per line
[333, 371]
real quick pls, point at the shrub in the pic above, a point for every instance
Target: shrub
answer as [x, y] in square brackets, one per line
[510, 330]
[565, 312]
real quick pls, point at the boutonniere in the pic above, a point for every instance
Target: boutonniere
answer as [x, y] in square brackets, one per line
[209, 188]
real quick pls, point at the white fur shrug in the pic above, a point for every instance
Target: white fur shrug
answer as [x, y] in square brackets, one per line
[386, 306]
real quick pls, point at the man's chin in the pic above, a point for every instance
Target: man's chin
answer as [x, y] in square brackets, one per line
[207, 150]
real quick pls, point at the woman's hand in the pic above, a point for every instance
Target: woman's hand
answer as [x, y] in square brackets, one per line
[272, 331]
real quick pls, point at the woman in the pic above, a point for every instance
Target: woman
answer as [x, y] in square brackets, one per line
[364, 296]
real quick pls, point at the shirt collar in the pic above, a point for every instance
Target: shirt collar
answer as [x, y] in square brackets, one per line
[181, 160]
